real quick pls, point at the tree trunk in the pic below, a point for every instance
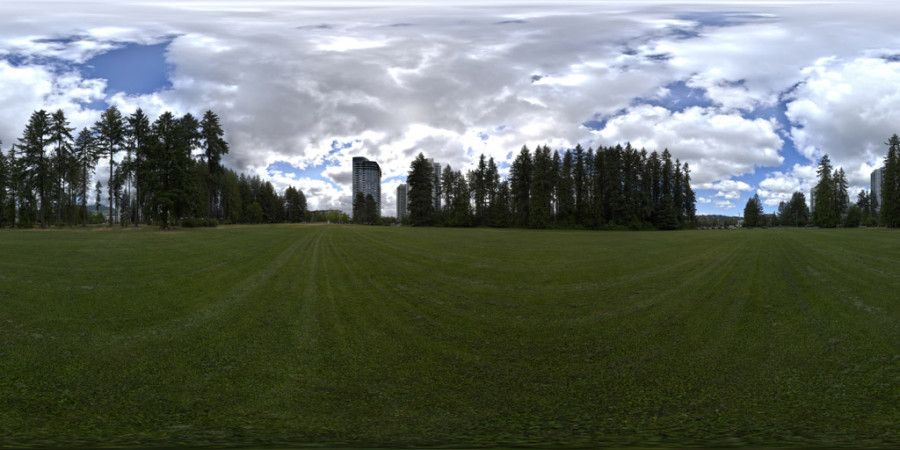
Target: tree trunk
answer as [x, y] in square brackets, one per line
[109, 184]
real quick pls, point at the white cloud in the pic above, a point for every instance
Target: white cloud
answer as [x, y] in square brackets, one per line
[726, 190]
[780, 186]
[30, 88]
[725, 204]
[847, 109]
[718, 146]
[346, 43]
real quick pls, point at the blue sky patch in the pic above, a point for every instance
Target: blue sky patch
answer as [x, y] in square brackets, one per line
[289, 170]
[133, 69]
[722, 18]
[680, 98]
[63, 40]
[596, 124]
[17, 60]
[337, 146]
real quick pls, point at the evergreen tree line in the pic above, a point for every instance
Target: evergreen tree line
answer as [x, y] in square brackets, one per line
[794, 213]
[832, 200]
[608, 188]
[890, 186]
[832, 207]
[164, 172]
[365, 210]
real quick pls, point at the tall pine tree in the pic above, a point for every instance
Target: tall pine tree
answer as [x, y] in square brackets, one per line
[110, 135]
[137, 134]
[85, 157]
[35, 168]
[214, 146]
[890, 188]
[520, 186]
[825, 208]
[421, 188]
[541, 192]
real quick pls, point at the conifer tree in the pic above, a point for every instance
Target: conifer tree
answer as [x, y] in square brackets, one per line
[555, 167]
[61, 139]
[35, 164]
[825, 210]
[479, 187]
[371, 211]
[753, 212]
[578, 176]
[295, 204]
[842, 197]
[501, 208]
[98, 191]
[864, 201]
[598, 188]
[678, 193]
[447, 185]
[421, 187]
[890, 188]
[109, 131]
[690, 200]
[457, 207]
[85, 157]
[4, 184]
[588, 218]
[520, 186]
[214, 146]
[540, 194]
[137, 133]
[566, 191]
[168, 168]
[492, 182]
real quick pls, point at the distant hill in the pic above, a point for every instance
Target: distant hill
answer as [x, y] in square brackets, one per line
[92, 209]
[716, 219]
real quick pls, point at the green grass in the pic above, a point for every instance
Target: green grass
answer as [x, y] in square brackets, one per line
[337, 335]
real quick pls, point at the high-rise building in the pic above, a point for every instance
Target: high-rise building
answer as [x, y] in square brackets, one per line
[436, 192]
[367, 179]
[877, 180]
[402, 201]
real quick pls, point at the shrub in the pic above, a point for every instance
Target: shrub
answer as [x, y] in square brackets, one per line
[195, 222]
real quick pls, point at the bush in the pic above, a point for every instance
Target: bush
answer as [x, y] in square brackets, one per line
[199, 222]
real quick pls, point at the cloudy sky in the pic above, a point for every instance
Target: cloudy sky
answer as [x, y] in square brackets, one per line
[750, 94]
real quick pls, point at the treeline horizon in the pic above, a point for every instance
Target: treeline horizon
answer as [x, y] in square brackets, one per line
[831, 205]
[171, 173]
[607, 188]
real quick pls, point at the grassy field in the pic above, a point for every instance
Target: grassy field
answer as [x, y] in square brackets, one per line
[289, 335]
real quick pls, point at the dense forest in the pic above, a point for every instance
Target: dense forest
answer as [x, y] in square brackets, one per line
[166, 172]
[607, 188]
[890, 185]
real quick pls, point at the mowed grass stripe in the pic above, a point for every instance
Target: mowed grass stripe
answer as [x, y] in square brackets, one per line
[360, 335]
